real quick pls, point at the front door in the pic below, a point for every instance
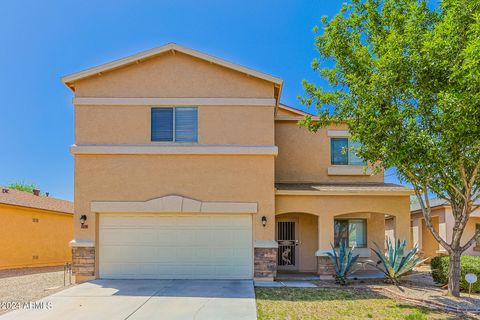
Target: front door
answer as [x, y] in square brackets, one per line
[287, 238]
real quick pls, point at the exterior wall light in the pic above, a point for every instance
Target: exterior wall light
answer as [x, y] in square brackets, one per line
[83, 219]
[264, 221]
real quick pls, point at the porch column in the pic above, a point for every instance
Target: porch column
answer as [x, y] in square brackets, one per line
[325, 232]
[325, 237]
[83, 260]
[403, 229]
[417, 233]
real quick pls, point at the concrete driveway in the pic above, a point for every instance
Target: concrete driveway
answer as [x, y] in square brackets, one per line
[147, 299]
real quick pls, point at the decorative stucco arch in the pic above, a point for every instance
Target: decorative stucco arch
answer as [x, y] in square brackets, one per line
[298, 211]
[173, 203]
[360, 212]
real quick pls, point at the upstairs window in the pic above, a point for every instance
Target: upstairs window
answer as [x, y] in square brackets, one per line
[352, 232]
[175, 124]
[341, 153]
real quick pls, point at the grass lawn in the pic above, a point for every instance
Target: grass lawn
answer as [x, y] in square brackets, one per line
[318, 303]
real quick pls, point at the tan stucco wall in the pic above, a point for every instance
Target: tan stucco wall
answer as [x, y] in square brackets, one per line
[144, 177]
[206, 178]
[216, 125]
[174, 75]
[236, 125]
[21, 238]
[430, 246]
[469, 232]
[308, 238]
[373, 208]
[390, 229]
[305, 156]
[444, 215]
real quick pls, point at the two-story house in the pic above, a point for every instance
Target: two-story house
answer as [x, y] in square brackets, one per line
[187, 166]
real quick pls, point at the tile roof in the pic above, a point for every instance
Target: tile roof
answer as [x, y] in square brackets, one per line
[27, 199]
[294, 110]
[414, 206]
[370, 186]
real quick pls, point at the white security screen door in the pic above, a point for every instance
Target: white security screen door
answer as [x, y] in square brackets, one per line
[287, 238]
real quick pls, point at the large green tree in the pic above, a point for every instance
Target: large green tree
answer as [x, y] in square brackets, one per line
[405, 77]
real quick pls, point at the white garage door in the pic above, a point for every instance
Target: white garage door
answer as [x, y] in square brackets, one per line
[164, 246]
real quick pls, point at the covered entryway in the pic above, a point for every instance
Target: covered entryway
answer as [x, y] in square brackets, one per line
[175, 246]
[297, 237]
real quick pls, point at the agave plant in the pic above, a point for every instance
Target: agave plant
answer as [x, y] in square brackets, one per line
[345, 262]
[396, 262]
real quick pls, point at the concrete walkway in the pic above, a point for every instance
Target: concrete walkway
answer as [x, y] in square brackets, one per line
[147, 299]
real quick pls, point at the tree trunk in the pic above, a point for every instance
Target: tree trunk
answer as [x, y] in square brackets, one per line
[454, 274]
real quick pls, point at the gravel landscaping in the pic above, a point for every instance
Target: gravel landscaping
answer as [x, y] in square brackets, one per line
[417, 288]
[420, 286]
[29, 284]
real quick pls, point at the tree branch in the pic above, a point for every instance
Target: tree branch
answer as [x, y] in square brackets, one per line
[474, 175]
[471, 241]
[426, 211]
[463, 173]
[459, 192]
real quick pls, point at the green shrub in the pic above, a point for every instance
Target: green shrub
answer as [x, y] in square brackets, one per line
[468, 264]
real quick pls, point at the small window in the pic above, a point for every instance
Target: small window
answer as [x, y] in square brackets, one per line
[477, 228]
[341, 153]
[353, 232]
[178, 124]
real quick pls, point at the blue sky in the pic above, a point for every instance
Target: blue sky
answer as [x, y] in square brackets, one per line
[44, 40]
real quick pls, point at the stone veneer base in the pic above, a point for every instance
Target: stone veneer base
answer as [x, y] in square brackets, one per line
[325, 266]
[83, 263]
[265, 263]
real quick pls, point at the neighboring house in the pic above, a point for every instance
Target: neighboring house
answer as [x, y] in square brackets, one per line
[443, 221]
[187, 166]
[36, 229]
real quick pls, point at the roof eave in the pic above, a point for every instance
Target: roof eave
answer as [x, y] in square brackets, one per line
[37, 208]
[342, 192]
[434, 207]
[294, 110]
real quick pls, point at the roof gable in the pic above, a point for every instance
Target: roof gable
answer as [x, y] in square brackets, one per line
[172, 47]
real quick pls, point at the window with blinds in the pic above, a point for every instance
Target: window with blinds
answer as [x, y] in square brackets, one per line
[174, 124]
